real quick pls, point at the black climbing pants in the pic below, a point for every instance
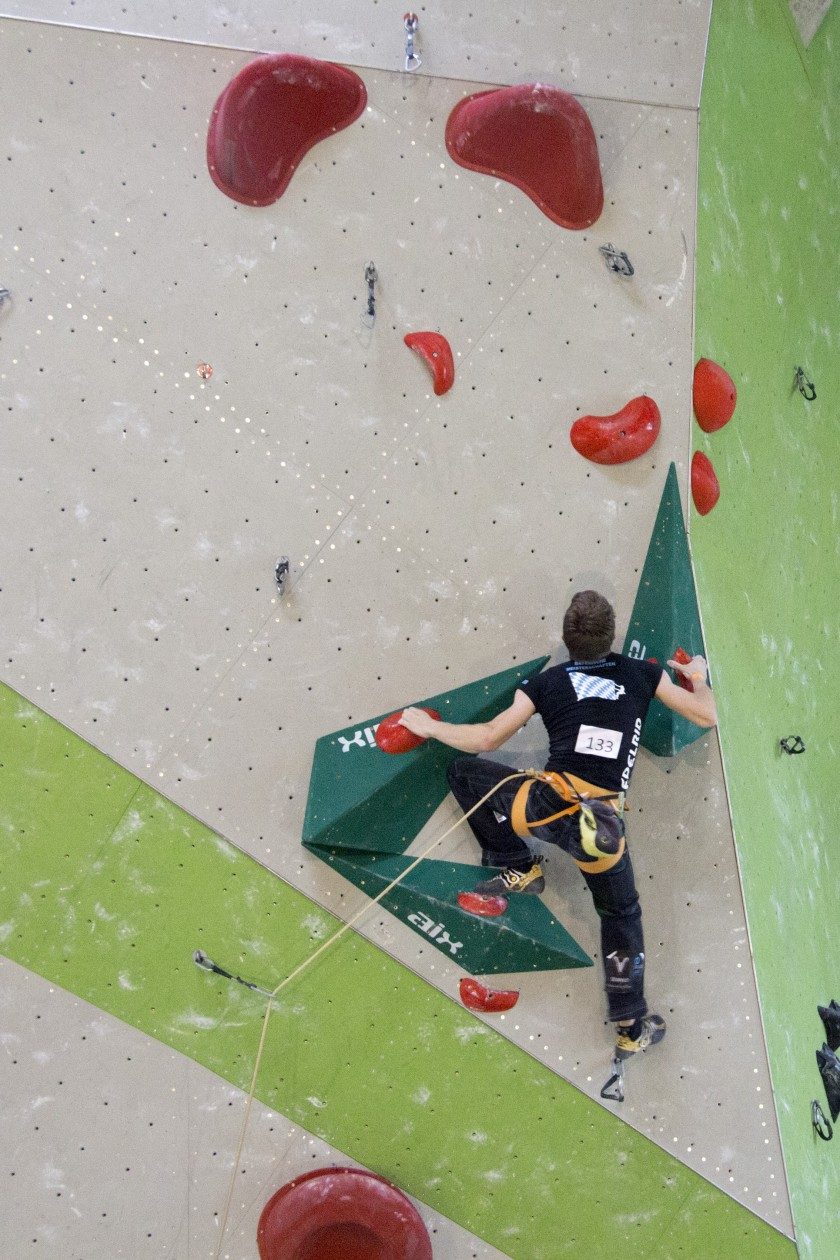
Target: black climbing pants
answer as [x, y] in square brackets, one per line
[613, 891]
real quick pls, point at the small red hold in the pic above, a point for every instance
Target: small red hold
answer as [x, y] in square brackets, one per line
[269, 115]
[705, 487]
[477, 997]
[485, 907]
[618, 438]
[714, 395]
[394, 738]
[437, 352]
[204, 370]
[682, 658]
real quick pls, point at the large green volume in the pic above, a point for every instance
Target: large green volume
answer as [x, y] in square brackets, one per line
[665, 617]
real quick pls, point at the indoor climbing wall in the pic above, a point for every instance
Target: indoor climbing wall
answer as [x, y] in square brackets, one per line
[433, 540]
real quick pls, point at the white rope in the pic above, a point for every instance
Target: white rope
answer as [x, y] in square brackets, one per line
[520, 774]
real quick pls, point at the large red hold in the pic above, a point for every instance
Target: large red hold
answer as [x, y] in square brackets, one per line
[538, 138]
[341, 1214]
[618, 438]
[714, 395]
[394, 738]
[705, 487]
[437, 352]
[269, 115]
[477, 997]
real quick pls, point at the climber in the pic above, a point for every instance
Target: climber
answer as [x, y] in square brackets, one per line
[593, 707]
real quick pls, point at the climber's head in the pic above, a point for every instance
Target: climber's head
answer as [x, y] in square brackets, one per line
[589, 626]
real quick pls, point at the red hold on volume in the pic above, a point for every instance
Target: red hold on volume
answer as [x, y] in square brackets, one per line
[618, 438]
[485, 907]
[437, 352]
[682, 658]
[393, 738]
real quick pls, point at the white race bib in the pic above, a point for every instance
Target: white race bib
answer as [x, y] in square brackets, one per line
[595, 741]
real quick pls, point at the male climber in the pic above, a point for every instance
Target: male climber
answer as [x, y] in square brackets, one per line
[593, 707]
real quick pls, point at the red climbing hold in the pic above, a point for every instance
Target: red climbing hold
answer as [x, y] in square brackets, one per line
[486, 907]
[538, 138]
[437, 352]
[714, 395]
[477, 997]
[621, 437]
[393, 738]
[705, 488]
[270, 115]
[341, 1214]
[682, 658]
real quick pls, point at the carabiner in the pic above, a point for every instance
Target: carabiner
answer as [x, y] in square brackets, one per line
[616, 261]
[412, 59]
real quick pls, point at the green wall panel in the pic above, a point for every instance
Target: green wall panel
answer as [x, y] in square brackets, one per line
[107, 889]
[768, 300]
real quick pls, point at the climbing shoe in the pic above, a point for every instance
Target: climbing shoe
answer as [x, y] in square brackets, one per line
[510, 881]
[649, 1030]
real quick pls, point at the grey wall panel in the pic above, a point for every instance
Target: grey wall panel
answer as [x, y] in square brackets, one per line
[630, 50]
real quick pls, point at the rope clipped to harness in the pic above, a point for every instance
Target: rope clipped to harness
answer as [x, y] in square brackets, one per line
[601, 825]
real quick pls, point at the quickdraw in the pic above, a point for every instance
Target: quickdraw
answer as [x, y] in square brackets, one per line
[613, 1087]
[821, 1122]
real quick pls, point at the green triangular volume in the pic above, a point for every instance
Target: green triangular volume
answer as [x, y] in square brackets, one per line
[526, 937]
[665, 617]
[363, 798]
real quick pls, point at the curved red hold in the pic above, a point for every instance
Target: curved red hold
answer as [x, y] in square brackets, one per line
[437, 352]
[618, 438]
[682, 657]
[485, 907]
[705, 487]
[477, 997]
[538, 138]
[393, 738]
[269, 115]
[714, 395]
[341, 1214]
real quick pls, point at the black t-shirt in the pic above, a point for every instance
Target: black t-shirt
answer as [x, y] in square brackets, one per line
[593, 712]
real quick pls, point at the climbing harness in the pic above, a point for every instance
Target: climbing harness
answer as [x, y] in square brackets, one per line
[616, 260]
[413, 60]
[597, 819]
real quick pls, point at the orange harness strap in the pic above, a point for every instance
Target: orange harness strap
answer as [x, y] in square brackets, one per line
[523, 828]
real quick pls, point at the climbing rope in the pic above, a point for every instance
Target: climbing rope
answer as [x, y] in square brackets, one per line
[519, 774]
